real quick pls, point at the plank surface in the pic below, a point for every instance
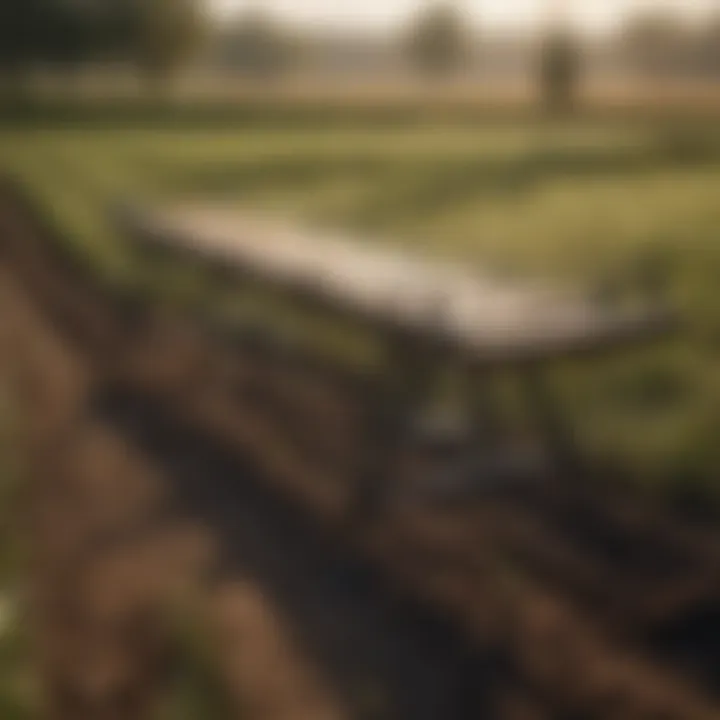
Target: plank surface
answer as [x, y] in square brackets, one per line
[494, 319]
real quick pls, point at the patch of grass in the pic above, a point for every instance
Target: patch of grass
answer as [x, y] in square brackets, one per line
[19, 680]
[196, 689]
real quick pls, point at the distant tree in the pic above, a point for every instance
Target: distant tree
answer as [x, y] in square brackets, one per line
[41, 32]
[560, 70]
[166, 35]
[708, 48]
[657, 44]
[117, 28]
[438, 41]
[62, 33]
[18, 42]
[257, 46]
[67, 33]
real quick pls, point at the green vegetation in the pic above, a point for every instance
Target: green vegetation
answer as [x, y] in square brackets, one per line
[196, 688]
[159, 37]
[257, 46]
[576, 200]
[168, 34]
[19, 691]
[439, 41]
[560, 71]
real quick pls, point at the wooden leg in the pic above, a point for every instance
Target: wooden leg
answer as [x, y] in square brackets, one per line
[484, 414]
[558, 436]
[389, 411]
[379, 445]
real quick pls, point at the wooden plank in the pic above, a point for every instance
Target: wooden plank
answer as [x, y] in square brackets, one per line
[492, 319]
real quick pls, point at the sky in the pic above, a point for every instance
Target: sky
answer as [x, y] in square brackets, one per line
[591, 15]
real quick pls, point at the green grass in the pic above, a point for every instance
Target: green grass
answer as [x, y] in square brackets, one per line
[20, 694]
[574, 202]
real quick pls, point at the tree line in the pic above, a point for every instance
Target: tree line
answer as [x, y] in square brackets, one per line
[158, 36]
[161, 37]
[440, 40]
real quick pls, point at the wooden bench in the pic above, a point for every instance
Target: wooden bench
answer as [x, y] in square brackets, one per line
[428, 313]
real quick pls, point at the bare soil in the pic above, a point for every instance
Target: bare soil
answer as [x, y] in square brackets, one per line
[161, 473]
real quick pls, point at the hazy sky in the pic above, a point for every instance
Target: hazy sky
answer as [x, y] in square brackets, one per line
[590, 14]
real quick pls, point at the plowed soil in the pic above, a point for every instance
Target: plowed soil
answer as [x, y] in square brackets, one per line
[159, 473]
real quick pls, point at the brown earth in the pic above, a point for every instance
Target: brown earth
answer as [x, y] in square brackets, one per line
[168, 464]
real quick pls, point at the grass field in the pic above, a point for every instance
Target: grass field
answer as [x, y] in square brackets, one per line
[577, 201]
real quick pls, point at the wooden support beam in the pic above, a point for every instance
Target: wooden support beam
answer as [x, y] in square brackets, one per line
[485, 416]
[551, 425]
[409, 376]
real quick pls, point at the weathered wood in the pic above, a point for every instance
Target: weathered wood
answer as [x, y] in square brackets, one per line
[489, 320]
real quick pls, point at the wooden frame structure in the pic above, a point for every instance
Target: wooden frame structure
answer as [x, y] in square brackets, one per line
[427, 312]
